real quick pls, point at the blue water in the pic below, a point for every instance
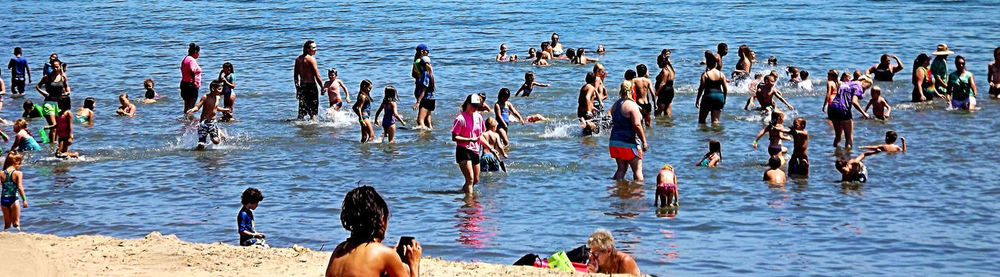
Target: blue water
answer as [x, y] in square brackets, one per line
[929, 212]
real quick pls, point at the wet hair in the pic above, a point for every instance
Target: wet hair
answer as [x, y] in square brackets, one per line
[193, 48]
[215, 84]
[661, 60]
[630, 74]
[710, 61]
[123, 97]
[774, 162]
[800, 121]
[832, 74]
[743, 51]
[13, 159]
[840, 163]
[532, 49]
[792, 70]
[598, 67]
[305, 47]
[579, 54]
[920, 60]
[876, 89]
[28, 105]
[17, 51]
[390, 95]
[333, 71]
[364, 213]
[771, 78]
[65, 104]
[148, 83]
[251, 196]
[365, 83]
[601, 240]
[591, 77]
[491, 123]
[502, 45]
[544, 44]
[804, 75]
[641, 70]
[775, 117]
[22, 124]
[571, 54]
[959, 57]
[714, 146]
[88, 103]
[758, 75]
[890, 137]
[529, 74]
[503, 95]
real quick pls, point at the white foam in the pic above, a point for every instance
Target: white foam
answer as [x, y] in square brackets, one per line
[562, 131]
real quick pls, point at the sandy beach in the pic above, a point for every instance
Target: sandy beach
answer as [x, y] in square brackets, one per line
[27, 254]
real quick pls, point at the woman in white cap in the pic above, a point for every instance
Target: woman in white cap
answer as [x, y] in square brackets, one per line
[466, 132]
[605, 259]
[962, 86]
[939, 68]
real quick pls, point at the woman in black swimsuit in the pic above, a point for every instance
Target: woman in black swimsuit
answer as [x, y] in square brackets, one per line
[883, 70]
[664, 84]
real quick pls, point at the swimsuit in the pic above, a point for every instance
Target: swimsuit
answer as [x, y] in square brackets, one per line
[227, 90]
[665, 96]
[526, 91]
[29, 144]
[82, 119]
[714, 98]
[504, 115]
[207, 128]
[62, 127]
[707, 160]
[387, 118]
[883, 74]
[961, 90]
[489, 162]
[366, 109]
[669, 189]
[9, 194]
[55, 90]
[798, 165]
[622, 144]
[308, 96]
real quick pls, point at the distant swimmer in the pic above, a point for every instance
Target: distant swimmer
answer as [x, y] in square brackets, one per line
[644, 93]
[962, 89]
[581, 57]
[209, 106]
[391, 114]
[993, 74]
[880, 107]
[307, 80]
[546, 51]
[362, 109]
[424, 85]
[557, 47]
[712, 91]
[714, 155]
[585, 109]
[503, 56]
[126, 109]
[627, 141]
[600, 49]
[190, 76]
[883, 71]
[540, 59]
[334, 88]
[890, 145]
[939, 68]
[793, 75]
[532, 53]
[664, 84]
[529, 85]
[773, 175]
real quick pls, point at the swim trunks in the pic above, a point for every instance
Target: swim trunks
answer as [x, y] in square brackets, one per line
[994, 91]
[798, 166]
[207, 129]
[774, 150]
[488, 162]
[624, 151]
[646, 108]
[308, 96]
[428, 104]
[963, 104]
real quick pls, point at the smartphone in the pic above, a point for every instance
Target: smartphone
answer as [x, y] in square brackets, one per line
[403, 241]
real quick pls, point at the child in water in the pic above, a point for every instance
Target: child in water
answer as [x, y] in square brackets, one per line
[209, 103]
[64, 129]
[228, 79]
[880, 107]
[805, 84]
[244, 220]
[529, 85]
[540, 60]
[714, 155]
[85, 114]
[503, 57]
[488, 161]
[126, 108]
[666, 187]
[532, 53]
[773, 175]
[151, 94]
[391, 115]
[793, 75]
[12, 187]
[22, 138]
[776, 133]
[799, 163]
[853, 170]
[47, 111]
[503, 109]
[333, 87]
[890, 144]
[362, 108]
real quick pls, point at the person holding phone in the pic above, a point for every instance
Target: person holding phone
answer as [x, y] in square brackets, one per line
[365, 214]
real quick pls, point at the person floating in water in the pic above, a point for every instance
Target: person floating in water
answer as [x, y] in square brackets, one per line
[209, 104]
[890, 145]
[880, 107]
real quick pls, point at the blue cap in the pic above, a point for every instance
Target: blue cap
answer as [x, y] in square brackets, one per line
[422, 47]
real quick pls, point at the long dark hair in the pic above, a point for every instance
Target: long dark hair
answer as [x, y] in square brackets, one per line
[710, 62]
[364, 213]
[305, 47]
[919, 62]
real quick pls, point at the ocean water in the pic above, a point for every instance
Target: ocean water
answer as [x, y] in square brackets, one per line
[930, 211]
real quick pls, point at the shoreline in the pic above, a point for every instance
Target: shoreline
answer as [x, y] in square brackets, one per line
[30, 254]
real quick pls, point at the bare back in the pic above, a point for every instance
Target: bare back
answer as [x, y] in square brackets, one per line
[368, 259]
[642, 86]
[305, 69]
[585, 100]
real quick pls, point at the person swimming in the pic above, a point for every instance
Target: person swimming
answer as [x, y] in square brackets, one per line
[714, 155]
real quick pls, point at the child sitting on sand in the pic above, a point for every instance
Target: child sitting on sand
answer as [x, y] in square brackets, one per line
[666, 187]
[488, 161]
[714, 155]
[85, 114]
[773, 175]
[126, 108]
[853, 170]
[391, 115]
[22, 138]
[880, 107]
[333, 87]
[244, 220]
[776, 133]
[890, 144]
[12, 187]
[799, 163]
[529, 85]
[151, 94]
[64, 129]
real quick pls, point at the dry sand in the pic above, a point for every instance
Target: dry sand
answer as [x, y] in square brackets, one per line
[27, 255]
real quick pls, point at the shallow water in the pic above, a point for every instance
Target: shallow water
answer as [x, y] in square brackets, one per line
[930, 211]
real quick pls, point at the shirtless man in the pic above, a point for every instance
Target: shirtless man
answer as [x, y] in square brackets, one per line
[600, 73]
[765, 94]
[722, 51]
[585, 110]
[307, 81]
[993, 74]
[209, 105]
[644, 95]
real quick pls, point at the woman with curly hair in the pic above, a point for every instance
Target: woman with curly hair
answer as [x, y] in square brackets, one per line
[365, 215]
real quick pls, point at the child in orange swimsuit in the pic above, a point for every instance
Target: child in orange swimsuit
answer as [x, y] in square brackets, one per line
[666, 187]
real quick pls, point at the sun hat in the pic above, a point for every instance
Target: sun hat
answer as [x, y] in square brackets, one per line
[942, 50]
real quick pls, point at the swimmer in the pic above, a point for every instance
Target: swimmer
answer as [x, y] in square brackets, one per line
[126, 109]
[666, 187]
[600, 49]
[853, 170]
[962, 86]
[765, 94]
[799, 162]
[362, 108]
[883, 71]
[664, 84]
[644, 95]
[85, 114]
[546, 51]
[503, 109]
[151, 94]
[880, 107]
[23, 141]
[557, 47]
[993, 74]
[890, 144]
[581, 57]
[776, 133]
[333, 87]
[226, 75]
[744, 65]
[529, 85]
[773, 175]
[11, 180]
[571, 55]
[64, 129]
[806, 83]
[209, 105]
[714, 155]
[391, 115]
[585, 109]
[503, 57]
[540, 59]
[488, 161]
[532, 53]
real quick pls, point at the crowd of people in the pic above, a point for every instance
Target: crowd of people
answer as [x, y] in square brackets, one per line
[482, 142]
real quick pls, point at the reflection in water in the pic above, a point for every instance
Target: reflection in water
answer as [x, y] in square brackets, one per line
[668, 250]
[630, 198]
[471, 228]
[667, 212]
[60, 171]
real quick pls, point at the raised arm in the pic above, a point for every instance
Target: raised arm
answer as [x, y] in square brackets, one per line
[899, 65]
[903, 141]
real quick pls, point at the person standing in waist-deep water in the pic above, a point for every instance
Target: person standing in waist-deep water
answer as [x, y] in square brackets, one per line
[228, 84]
[664, 84]
[723, 50]
[962, 86]
[307, 81]
[712, 91]
[992, 76]
[423, 91]
[190, 76]
[627, 141]
[644, 94]
[939, 68]
[923, 79]
[883, 71]
[19, 71]
[557, 47]
[467, 133]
